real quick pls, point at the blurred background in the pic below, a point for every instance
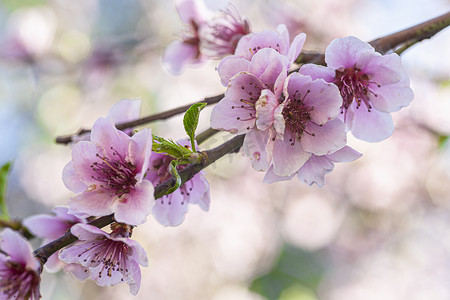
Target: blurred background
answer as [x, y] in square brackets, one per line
[379, 229]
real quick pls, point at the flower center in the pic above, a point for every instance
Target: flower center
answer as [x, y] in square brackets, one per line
[354, 85]
[117, 175]
[17, 282]
[297, 115]
[112, 255]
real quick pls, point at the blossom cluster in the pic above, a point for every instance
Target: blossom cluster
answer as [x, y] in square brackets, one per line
[114, 172]
[295, 123]
[111, 172]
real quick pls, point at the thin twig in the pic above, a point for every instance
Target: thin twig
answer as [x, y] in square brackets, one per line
[415, 33]
[209, 157]
[404, 39]
[203, 136]
[160, 116]
[409, 36]
[17, 226]
[44, 252]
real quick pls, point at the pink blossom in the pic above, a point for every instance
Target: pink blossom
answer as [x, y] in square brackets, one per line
[236, 112]
[19, 269]
[107, 174]
[252, 43]
[111, 258]
[371, 85]
[278, 40]
[304, 124]
[51, 227]
[316, 167]
[170, 210]
[205, 36]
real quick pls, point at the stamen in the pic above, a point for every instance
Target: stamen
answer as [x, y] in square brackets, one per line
[355, 86]
[297, 116]
[118, 175]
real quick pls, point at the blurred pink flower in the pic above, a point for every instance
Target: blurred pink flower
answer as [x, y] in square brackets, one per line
[364, 76]
[19, 269]
[111, 258]
[51, 227]
[221, 34]
[107, 174]
[170, 210]
[205, 37]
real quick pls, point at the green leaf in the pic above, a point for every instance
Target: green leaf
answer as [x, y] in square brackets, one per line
[170, 147]
[190, 121]
[4, 171]
[174, 172]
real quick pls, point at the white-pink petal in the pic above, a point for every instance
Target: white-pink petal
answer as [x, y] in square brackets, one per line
[124, 110]
[296, 47]
[271, 177]
[346, 154]
[287, 158]
[345, 52]
[265, 109]
[230, 66]
[373, 126]
[13, 244]
[392, 97]
[133, 208]
[95, 202]
[314, 170]
[178, 54]
[200, 191]
[318, 72]
[140, 150]
[192, 10]
[71, 179]
[255, 144]
[105, 134]
[324, 139]
[84, 153]
[46, 226]
[170, 210]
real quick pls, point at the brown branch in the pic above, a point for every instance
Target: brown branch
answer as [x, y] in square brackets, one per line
[203, 136]
[17, 226]
[414, 34]
[209, 157]
[44, 252]
[160, 116]
[311, 57]
[407, 37]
